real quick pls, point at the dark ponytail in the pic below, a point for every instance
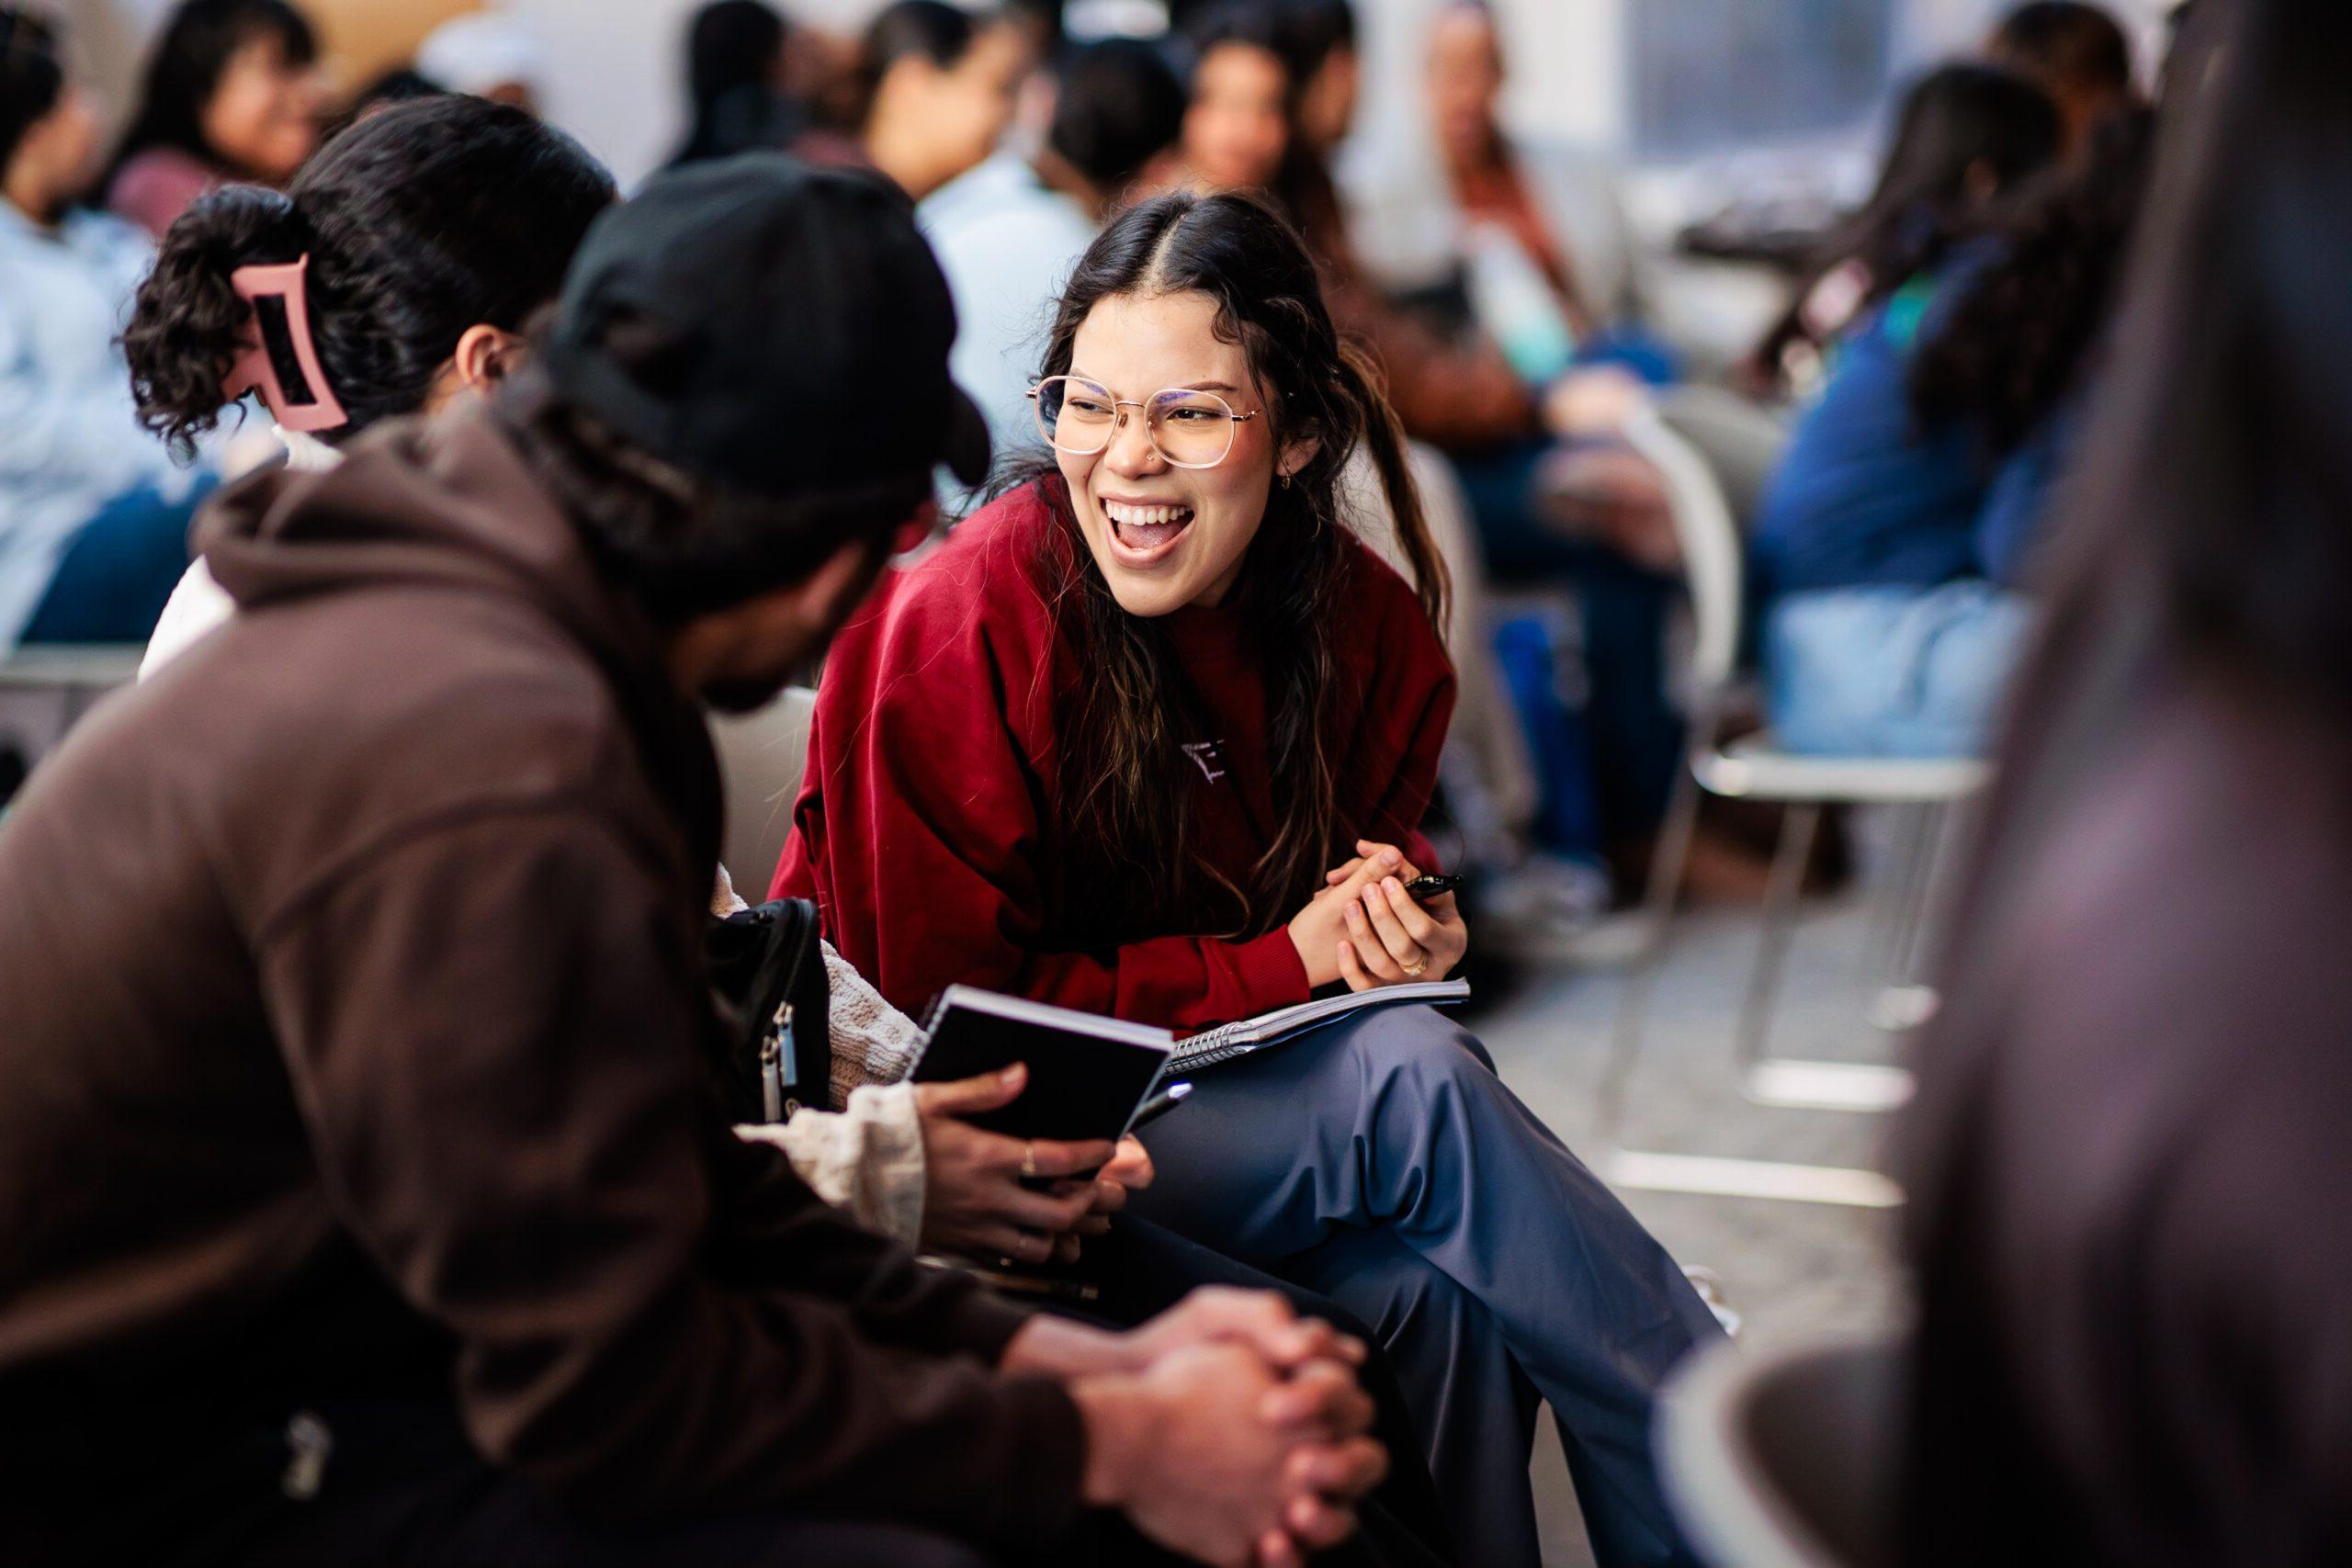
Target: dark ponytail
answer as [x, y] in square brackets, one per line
[1362, 384]
[426, 220]
[189, 325]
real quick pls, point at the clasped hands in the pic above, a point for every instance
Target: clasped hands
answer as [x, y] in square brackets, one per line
[1363, 928]
[1227, 1427]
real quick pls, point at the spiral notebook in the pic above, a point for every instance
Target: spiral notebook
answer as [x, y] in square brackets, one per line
[1229, 1041]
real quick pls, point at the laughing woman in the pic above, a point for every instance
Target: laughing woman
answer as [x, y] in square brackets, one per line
[1104, 749]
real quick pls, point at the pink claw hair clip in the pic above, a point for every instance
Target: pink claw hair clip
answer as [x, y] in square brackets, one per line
[278, 290]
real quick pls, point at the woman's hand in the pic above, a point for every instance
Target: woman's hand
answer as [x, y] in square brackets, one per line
[1319, 930]
[1390, 938]
[973, 1201]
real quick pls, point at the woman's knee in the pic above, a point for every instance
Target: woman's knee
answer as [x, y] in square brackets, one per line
[1418, 1043]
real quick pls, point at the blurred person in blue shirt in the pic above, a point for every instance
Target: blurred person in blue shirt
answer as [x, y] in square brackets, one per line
[1897, 536]
[1865, 498]
[93, 511]
[1007, 233]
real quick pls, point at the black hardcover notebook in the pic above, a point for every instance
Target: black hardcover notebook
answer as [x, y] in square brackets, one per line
[1088, 1075]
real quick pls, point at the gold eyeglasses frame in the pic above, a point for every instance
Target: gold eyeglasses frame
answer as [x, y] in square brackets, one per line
[1111, 430]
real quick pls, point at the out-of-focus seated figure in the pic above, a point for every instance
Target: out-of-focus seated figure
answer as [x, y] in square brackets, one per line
[940, 84]
[1963, 134]
[1238, 136]
[489, 54]
[232, 92]
[1007, 233]
[2077, 54]
[1542, 224]
[93, 511]
[2131, 1215]
[1895, 539]
[737, 60]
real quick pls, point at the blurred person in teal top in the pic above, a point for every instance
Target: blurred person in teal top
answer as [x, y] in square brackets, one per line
[93, 511]
[1897, 539]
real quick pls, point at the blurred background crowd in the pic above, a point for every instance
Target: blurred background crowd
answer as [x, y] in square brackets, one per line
[1742, 346]
[1857, 252]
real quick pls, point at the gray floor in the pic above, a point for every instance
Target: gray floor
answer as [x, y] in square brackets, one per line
[1791, 1268]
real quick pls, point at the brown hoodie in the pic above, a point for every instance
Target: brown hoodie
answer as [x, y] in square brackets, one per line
[349, 1013]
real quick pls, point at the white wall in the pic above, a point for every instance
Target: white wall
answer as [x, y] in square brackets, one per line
[617, 75]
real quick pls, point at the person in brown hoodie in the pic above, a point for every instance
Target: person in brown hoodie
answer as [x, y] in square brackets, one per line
[362, 1198]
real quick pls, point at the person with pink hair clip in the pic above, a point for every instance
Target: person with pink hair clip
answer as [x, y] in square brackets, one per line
[392, 277]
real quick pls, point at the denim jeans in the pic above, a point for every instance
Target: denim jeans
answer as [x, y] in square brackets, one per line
[1892, 672]
[119, 571]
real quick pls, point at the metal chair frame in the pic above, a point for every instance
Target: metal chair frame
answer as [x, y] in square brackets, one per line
[1751, 768]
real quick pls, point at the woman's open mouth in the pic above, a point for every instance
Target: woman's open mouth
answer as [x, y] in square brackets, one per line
[1142, 534]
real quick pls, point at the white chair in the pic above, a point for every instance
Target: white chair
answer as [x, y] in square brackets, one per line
[45, 691]
[761, 758]
[1752, 767]
[1789, 1460]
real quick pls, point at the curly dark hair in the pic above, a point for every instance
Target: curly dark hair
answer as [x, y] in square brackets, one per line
[2015, 345]
[420, 222]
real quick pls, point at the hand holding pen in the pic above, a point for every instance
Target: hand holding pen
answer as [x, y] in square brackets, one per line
[1402, 925]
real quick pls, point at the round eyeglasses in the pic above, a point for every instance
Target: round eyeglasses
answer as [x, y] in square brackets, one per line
[1188, 429]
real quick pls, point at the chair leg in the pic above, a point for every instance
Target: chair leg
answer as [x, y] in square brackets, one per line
[1779, 925]
[1888, 898]
[1657, 914]
[1789, 1081]
[1904, 1000]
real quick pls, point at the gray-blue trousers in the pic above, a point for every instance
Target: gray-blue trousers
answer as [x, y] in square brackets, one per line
[1381, 1162]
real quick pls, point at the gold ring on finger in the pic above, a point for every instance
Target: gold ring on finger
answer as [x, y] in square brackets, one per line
[1416, 968]
[1028, 1158]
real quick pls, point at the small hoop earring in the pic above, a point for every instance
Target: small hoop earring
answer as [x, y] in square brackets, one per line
[1286, 479]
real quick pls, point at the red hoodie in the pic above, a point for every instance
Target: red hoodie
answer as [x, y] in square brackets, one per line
[931, 826]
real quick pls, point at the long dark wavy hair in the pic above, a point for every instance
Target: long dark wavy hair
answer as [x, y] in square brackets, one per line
[1129, 811]
[2016, 345]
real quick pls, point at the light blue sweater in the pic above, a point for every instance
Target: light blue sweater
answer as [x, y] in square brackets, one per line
[70, 439]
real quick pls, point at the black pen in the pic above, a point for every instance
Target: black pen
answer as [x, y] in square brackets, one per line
[1161, 1104]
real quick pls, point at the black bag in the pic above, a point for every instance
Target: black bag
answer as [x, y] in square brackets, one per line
[773, 993]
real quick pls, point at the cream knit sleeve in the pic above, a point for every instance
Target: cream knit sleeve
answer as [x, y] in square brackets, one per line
[867, 1157]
